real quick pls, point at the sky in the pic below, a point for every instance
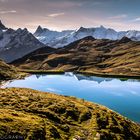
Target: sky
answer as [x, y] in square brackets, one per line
[70, 14]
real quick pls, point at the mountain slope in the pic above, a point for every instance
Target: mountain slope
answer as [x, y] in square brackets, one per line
[35, 57]
[98, 33]
[7, 72]
[15, 44]
[119, 57]
[49, 37]
[37, 115]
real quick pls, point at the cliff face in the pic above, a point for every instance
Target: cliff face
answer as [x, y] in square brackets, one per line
[37, 115]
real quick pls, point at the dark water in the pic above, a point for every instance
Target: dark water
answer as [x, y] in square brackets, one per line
[122, 96]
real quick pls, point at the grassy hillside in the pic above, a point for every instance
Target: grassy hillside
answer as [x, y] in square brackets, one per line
[119, 57]
[36, 115]
[7, 71]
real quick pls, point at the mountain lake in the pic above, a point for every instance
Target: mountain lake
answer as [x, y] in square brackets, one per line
[120, 95]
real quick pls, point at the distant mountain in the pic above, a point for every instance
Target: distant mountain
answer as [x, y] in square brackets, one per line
[15, 44]
[61, 39]
[49, 37]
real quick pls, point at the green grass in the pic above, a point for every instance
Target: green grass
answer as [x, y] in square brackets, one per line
[45, 116]
[8, 72]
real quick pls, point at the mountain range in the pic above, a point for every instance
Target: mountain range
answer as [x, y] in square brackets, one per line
[50, 37]
[60, 39]
[108, 51]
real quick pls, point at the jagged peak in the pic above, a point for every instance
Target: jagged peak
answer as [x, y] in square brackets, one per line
[39, 27]
[25, 30]
[9, 30]
[19, 30]
[39, 30]
[102, 27]
[2, 26]
[81, 29]
[0, 22]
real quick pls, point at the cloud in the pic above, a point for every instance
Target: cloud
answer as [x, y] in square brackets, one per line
[108, 23]
[119, 16]
[7, 12]
[2, 0]
[54, 90]
[136, 19]
[56, 15]
[97, 3]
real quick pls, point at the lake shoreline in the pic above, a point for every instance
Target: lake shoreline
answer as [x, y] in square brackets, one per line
[87, 73]
[70, 84]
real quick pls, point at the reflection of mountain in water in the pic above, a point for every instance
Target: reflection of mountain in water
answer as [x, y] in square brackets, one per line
[70, 74]
[133, 80]
[80, 77]
[40, 75]
[88, 78]
[97, 79]
[92, 78]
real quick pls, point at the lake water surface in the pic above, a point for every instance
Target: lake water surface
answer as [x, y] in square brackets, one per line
[122, 96]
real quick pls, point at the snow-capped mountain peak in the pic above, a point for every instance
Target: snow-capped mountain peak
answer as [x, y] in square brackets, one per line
[48, 37]
[60, 39]
[40, 30]
[17, 43]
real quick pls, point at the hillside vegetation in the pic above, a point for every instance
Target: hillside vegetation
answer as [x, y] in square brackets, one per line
[35, 115]
[119, 57]
[7, 72]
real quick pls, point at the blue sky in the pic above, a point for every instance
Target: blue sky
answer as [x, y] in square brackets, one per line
[71, 14]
